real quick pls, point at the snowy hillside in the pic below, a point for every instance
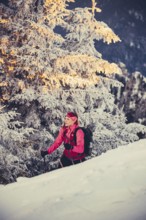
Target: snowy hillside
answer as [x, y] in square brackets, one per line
[111, 186]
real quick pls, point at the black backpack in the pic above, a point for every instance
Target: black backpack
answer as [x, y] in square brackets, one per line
[88, 139]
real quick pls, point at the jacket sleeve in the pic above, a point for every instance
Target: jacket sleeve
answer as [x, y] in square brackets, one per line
[79, 147]
[58, 141]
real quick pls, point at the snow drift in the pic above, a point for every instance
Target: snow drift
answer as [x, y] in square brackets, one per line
[111, 186]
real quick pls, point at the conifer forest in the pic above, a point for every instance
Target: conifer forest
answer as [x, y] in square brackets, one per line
[64, 55]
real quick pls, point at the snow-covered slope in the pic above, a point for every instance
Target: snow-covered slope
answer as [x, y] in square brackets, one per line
[111, 186]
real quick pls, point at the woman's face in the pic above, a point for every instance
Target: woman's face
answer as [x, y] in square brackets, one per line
[68, 121]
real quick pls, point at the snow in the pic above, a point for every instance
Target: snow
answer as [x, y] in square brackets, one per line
[109, 187]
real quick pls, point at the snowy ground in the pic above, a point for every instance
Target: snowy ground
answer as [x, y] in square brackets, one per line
[109, 187]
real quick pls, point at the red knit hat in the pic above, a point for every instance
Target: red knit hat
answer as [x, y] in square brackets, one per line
[71, 114]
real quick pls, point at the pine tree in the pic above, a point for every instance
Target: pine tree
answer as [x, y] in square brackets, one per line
[34, 54]
[45, 74]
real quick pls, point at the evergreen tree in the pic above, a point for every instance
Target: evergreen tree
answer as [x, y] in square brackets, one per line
[45, 74]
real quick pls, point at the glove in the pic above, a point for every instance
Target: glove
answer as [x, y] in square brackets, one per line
[44, 153]
[68, 146]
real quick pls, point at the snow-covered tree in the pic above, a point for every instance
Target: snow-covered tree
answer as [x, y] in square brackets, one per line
[45, 74]
[33, 53]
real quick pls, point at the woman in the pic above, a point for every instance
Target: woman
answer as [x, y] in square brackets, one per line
[73, 152]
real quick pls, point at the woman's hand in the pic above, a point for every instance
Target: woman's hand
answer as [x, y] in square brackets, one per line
[44, 153]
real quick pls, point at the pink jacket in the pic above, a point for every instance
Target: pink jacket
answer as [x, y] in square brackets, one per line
[66, 135]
